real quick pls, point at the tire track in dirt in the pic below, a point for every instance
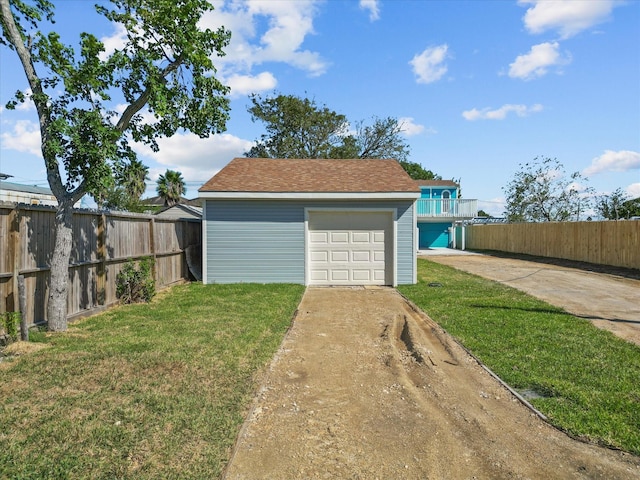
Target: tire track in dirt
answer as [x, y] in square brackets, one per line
[363, 387]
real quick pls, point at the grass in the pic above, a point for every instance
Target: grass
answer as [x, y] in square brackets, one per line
[589, 378]
[143, 391]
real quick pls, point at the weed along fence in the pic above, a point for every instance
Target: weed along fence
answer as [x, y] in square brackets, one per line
[102, 244]
[615, 243]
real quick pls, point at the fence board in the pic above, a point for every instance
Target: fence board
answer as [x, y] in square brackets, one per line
[604, 243]
[102, 243]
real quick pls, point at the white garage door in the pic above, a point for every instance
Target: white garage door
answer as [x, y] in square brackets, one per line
[350, 248]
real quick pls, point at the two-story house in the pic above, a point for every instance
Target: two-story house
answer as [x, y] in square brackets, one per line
[438, 207]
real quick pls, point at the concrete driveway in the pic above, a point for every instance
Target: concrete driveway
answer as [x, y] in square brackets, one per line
[610, 301]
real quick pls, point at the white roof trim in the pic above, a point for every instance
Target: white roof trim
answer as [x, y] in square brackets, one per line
[311, 195]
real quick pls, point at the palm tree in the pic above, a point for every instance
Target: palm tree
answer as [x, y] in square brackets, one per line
[133, 179]
[171, 187]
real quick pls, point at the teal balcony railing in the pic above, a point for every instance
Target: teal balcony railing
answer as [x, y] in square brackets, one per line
[447, 207]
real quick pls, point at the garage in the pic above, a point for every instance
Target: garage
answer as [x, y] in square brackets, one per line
[433, 235]
[320, 222]
[350, 248]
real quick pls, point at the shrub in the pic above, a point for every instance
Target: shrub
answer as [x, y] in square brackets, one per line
[136, 285]
[10, 323]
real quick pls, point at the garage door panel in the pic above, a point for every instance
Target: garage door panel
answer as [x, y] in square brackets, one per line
[361, 237]
[361, 275]
[318, 275]
[339, 275]
[339, 237]
[349, 248]
[319, 237]
[320, 256]
[379, 275]
[362, 256]
[341, 256]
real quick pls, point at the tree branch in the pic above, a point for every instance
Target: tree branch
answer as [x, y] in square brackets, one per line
[142, 100]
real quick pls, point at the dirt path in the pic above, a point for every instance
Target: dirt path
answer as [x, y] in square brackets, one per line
[611, 302]
[363, 387]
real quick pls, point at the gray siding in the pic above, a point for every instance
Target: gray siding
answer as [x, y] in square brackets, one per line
[262, 241]
[405, 248]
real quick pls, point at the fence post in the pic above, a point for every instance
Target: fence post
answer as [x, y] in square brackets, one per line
[152, 247]
[22, 301]
[14, 258]
[101, 281]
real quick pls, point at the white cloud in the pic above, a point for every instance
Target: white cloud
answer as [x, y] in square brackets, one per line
[494, 207]
[114, 42]
[568, 17]
[25, 137]
[409, 128]
[537, 62]
[28, 104]
[610, 161]
[633, 190]
[247, 84]
[374, 8]
[429, 65]
[501, 113]
[198, 159]
[288, 24]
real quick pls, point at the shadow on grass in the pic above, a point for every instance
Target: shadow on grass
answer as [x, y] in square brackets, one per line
[532, 310]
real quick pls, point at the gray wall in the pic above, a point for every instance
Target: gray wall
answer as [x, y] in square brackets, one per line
[262, 241]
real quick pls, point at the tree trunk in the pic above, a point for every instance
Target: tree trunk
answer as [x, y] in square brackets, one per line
[58, 285]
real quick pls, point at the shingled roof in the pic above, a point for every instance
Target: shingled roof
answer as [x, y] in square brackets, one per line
[273, 175]
[437, 183]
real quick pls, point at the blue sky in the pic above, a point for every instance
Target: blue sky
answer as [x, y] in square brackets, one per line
[480, 86]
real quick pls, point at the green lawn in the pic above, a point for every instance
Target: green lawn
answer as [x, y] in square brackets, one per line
[590, 379]
[160, 390]
[144, 391]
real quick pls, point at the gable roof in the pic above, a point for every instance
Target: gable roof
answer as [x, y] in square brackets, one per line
[180, 210]
[438, 183]
[269, 177]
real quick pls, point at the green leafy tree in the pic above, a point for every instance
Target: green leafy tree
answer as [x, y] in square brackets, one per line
[631, 208]
[542, 192]
[611, 206]
[418, 172]
[164, 70]
[171, 187]
[382, 140]
[617, 205]
[296, 128]
[300, 128]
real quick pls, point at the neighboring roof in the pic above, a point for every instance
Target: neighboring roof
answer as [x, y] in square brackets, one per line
[16, 187]
[157, 200]
[312, 176]
[437, 183]
[180, 211]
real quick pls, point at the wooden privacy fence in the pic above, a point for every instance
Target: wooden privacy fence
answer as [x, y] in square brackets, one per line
[615, 243]
[102, 243]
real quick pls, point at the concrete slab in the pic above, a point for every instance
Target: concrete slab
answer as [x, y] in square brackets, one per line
[611, 302]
